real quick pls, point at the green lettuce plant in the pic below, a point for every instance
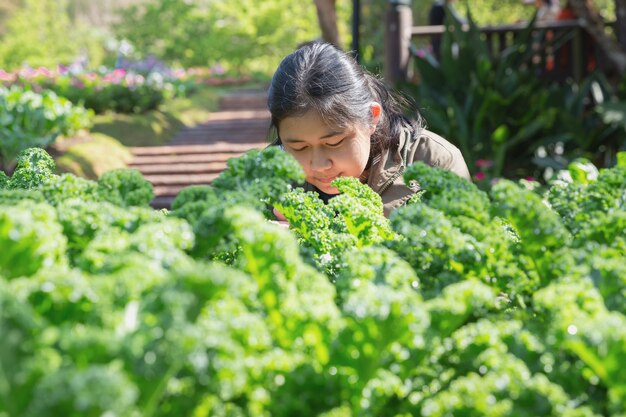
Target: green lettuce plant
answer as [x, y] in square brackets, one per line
[465, 303]
[30, 119]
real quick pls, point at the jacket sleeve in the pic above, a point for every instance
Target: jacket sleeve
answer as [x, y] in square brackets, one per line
[457, 163]
[436, 151]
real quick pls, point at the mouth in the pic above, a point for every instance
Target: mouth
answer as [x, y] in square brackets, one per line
[326, 180]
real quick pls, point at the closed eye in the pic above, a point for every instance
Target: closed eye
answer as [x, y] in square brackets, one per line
[336, 144]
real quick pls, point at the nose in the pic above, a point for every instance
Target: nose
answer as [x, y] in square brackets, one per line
[320, 161]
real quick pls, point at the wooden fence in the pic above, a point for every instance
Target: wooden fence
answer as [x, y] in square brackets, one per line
[568, 51]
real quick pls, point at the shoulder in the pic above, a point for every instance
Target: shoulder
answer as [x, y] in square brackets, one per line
[434, 150]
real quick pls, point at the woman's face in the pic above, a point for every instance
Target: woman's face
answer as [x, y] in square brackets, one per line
[325, 152]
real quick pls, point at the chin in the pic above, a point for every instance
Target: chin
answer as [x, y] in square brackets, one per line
[327, 189]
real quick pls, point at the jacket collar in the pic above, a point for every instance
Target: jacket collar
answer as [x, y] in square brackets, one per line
[390, 164]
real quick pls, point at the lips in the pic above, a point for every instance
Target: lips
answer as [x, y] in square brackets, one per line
[326, 180]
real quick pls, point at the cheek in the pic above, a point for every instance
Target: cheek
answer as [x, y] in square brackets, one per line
[351, 160]
[301, 158]
[361, 148]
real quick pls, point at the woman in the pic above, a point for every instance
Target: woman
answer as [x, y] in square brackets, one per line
[338, 120]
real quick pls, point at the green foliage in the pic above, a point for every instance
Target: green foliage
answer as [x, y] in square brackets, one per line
[29, 119]
[132, 91]
[125, 187]
[34, 168]
[538, 227]
[61, 188]
[261, 175]
[580, 324]
[35, 172]
[251, 37]
[585, 197]
[118, 91]
[448, 192]
[496, 307]
[31, 239]
[495, 106]
[354, 218]
[40, 33]
[257, 180]
[377, 265]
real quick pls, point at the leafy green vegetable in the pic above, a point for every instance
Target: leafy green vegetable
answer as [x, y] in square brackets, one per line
[29, 119]
[30, 238]
[353, 218]
[260, 175]
[125, 188]
[464, 303]
[34, 168]
[4, 180]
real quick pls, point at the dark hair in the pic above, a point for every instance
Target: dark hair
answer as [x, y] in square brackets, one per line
[318, 76]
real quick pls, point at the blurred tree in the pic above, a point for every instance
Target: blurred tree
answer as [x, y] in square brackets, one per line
[100, 14]
[7, 8]
[240, 35]
[38, 34]
[44, 33]
[327, 17]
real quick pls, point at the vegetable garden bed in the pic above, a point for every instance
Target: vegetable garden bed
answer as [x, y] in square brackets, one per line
[467, 303]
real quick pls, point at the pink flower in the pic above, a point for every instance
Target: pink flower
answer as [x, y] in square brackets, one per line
[77, 83]
[484, 163]
[217, 69]
[479, 176]
[6, 76]
[530, 178]
[44, 72]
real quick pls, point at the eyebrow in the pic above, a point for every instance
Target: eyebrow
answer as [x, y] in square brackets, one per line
[327, 136]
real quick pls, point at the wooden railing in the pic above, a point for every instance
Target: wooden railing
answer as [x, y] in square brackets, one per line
[567, 52]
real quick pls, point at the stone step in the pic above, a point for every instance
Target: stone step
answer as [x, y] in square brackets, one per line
[192, 168]
[170, 190]
[219, 139]
[243, 101]
[180, 179]
[228, 134]
[216, 147]
[227, 130]
[199, 154]
[244, 116]
[203, 141]
[140, 161]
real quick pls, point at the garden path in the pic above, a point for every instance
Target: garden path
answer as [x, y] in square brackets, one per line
[198, 154]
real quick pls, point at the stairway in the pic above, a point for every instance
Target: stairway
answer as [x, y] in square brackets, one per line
[198, 154]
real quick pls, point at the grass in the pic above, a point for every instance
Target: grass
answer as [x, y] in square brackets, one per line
[93, 156]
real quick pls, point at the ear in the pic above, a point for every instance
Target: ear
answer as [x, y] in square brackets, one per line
[376, 111]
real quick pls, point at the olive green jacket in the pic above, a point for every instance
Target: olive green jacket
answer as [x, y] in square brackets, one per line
[385, 176]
